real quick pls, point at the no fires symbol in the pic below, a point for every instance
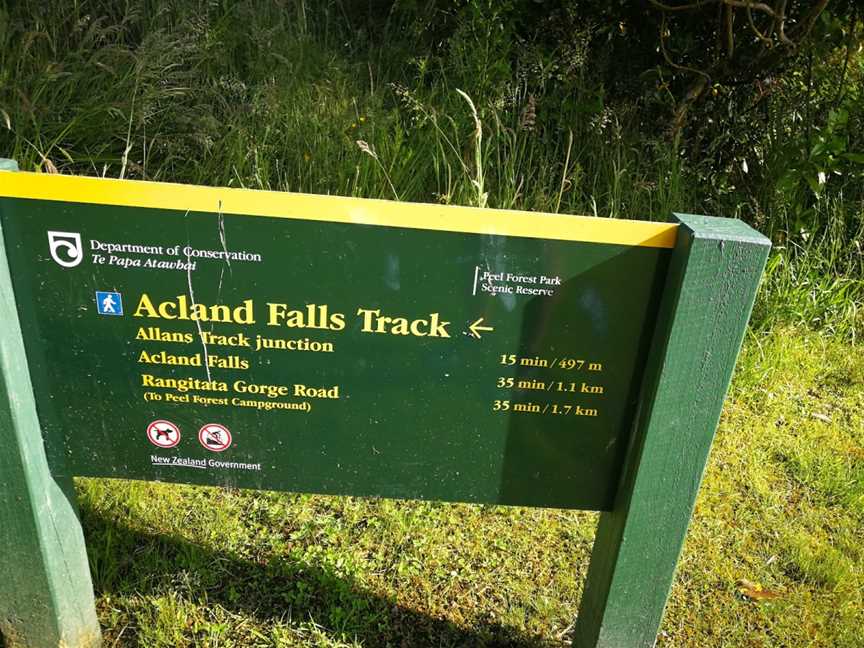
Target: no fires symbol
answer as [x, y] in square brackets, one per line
[215, 437]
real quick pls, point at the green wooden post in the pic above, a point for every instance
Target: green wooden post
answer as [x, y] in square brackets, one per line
[714, 273]
[46, 595]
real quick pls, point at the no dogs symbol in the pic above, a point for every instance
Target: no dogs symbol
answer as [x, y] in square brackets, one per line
[163, 434]
[214, 437]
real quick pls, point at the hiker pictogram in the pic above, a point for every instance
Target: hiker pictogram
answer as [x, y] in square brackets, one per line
[163, 434]
[109, 303]
[215, 437]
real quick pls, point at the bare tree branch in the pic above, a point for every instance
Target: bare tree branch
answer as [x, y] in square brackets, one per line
[695, 5]
[730, 38]
[755, 29]
[736, 61]
[758, 6]
[684, 68]
[802, 29]
[781, 24]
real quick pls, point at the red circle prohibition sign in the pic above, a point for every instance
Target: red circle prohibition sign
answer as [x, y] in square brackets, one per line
[163, 434]
[215, 437]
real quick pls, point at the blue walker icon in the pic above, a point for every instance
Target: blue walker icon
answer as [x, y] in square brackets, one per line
[109, 303]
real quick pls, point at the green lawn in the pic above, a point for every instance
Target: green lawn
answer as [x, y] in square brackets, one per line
[782, 507]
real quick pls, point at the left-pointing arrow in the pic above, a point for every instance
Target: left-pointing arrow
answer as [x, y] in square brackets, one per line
[476, 327]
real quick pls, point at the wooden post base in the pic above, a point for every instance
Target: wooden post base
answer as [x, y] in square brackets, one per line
[713, 276]
[46, 595]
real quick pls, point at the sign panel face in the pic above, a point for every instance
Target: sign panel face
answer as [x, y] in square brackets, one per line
[331, 345]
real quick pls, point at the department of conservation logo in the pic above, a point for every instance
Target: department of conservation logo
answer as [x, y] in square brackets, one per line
[70, 245]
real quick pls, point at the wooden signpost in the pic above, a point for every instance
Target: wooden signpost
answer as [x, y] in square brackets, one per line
[345, 346]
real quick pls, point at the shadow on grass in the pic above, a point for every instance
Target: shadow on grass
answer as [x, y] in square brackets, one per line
[282, 590]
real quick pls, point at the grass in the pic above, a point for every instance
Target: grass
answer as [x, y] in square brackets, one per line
[817, 281]
[782, 505]
[313, 97]
[321, 101]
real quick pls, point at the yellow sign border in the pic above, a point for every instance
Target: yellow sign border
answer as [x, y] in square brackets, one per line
[335, 209]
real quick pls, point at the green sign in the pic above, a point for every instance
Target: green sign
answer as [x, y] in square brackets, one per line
[345, 346]
[331, 356]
